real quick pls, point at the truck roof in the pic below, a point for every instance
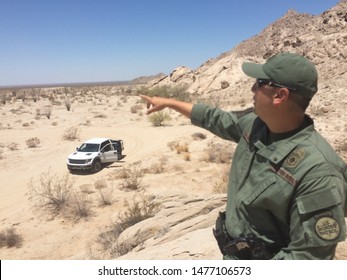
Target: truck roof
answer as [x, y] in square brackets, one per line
[96, 140]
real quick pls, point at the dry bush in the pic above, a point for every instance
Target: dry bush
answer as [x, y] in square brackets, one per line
[109, 242]
[9, 238]
[218, 153]
[157, 168]
[159, 118]
[106, 193]
[178, 92]
[86, 188]
[2, 154]
[78, 207]
[100, 116]
[71, 133]
[12, 146]
[3, 97]
[186, 156]
[140, 208]
[221, 186]
[51, 193]
[67, 103]
[132, 176]
[47, 111]
[136, 108]
[179, 146]
[182, 148]
[38, 114]
[33, 142]
[199, 136]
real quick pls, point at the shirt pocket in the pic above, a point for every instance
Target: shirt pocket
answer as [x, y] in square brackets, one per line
[321, 217]
[259, 189]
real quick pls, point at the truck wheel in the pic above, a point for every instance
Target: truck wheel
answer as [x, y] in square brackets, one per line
[96, 167]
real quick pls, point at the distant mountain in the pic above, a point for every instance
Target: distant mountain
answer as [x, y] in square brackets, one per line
[146, 79]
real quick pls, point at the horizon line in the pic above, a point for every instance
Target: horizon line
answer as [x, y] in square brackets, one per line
[69, 84]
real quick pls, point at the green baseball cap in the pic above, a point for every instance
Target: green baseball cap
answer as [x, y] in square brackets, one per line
[287, 69]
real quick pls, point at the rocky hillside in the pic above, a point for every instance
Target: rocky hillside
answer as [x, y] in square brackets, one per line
[321, 38]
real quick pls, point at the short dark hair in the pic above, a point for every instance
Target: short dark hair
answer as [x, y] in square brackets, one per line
[301, 101]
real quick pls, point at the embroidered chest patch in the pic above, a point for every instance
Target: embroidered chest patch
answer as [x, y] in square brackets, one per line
[327, 228]
[294, 158]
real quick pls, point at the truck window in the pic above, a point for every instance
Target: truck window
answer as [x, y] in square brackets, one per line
[107, 148]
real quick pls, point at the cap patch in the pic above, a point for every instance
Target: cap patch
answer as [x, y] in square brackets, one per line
[327, 228]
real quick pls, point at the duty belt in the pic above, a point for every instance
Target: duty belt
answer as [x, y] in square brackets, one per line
[247, 247]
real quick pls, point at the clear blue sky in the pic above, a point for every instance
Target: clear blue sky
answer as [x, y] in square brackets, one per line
[63, 41]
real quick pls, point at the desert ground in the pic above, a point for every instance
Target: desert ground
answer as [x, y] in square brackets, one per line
[95, 113]
[180, 181]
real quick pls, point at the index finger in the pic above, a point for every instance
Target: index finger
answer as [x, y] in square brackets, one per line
[145, 97]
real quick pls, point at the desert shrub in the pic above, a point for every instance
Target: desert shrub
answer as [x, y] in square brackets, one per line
[157, 168]
[78, 207]
[9, 238]
[3, 97]
[33, 142]
[106, 193]
[132, 176]
[38, 113]
[12, 146]
[67, 103]
[159, 118]
[140, 208]
[86, 188]
[177, 92]
[47, 111]
[109, 243]
[199, 136]
[218, 153]
[26, 124]
[221, 185]
[100, 116]
[71, 133]
[135, 108]
[182, 148]
[178, 146]
[51, 193]
[214, 100]
[186, 156]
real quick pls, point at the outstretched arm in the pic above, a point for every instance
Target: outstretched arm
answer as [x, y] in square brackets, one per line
[155, 104]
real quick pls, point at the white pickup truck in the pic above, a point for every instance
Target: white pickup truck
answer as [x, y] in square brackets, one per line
[93, 153]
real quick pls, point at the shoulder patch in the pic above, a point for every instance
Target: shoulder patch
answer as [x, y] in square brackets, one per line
[294, 158]
[327, 228]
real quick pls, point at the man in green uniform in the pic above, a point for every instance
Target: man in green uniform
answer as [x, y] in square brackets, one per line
[287, 187]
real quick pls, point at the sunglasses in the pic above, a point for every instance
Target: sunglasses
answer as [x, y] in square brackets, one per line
[261, 82]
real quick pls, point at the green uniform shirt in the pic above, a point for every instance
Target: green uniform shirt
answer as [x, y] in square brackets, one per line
[291, 193]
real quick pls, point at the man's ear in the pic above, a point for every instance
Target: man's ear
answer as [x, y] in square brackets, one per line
[280, 96]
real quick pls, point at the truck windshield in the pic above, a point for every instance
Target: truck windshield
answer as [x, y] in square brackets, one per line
[88, 148]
